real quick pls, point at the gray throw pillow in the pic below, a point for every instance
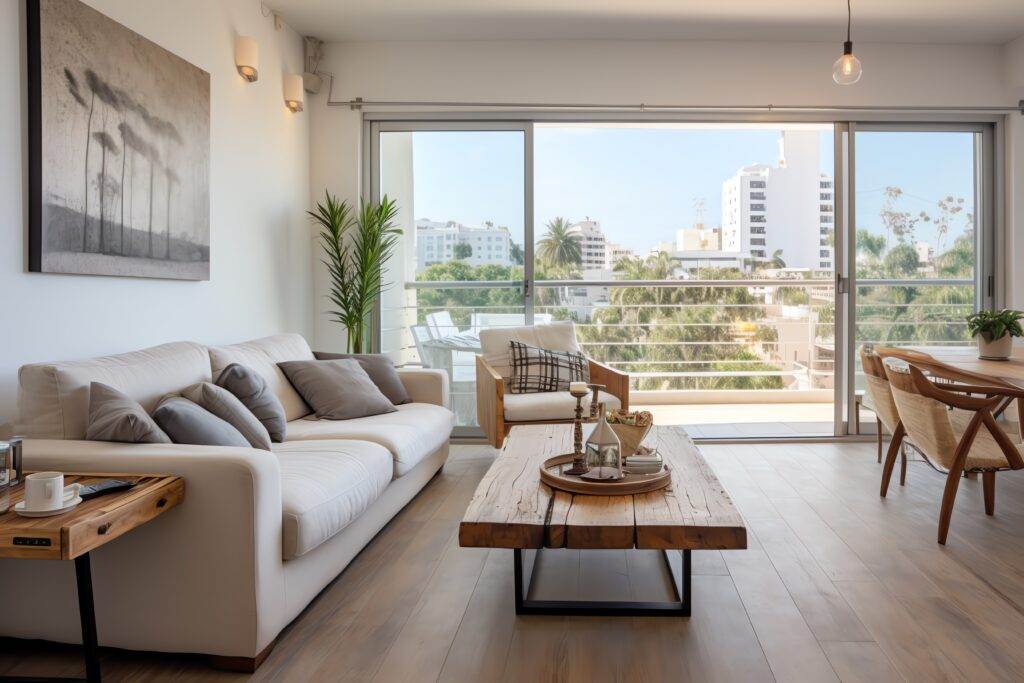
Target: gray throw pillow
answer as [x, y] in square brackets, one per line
[381, 370]
[336, 389]
[251, 389]
[229, 408]
[115, 417]
[187, 423]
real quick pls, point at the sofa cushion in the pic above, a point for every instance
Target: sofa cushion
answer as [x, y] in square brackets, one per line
[336, 389]
[249, 387]
[494, 342]
[552, 405]
[189, 423]
[53, 398]
[115, 417]
[381, 370]
[411, 433]
[229, 408]
[325, 485]
[263, 355]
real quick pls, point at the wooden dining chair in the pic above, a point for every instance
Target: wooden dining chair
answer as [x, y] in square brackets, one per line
[878, 397]
[953, 427]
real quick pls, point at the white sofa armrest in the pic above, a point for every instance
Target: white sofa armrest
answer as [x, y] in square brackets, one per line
[426, 385]
[205, 577]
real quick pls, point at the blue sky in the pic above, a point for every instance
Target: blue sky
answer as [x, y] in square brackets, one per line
[642, 183]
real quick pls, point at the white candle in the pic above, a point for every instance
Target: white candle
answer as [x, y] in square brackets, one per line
[578, 387]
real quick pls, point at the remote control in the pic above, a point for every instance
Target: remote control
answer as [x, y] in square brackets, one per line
[104, 487]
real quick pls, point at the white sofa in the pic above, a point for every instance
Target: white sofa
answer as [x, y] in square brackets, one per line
[258, 535]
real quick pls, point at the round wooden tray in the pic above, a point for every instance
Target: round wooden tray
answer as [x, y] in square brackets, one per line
[629, 484]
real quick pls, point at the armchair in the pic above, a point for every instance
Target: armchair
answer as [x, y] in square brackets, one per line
[498, 410]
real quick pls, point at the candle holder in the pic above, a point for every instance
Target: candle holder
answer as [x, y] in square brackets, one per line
[579, 460]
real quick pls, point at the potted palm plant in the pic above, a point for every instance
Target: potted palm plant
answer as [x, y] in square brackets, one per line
[355, 262]
[995, 331]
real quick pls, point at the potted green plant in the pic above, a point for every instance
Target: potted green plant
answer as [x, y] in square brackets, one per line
[995, 331]
[355, 262]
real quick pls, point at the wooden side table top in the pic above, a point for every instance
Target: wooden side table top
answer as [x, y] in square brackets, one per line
[513, 509]
[92, 523]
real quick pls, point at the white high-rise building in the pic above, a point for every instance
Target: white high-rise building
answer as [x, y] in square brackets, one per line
[613, 253]
[787, 207]
[593, 246]
[436, 240]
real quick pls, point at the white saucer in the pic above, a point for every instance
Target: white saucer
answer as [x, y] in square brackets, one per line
[20, 509]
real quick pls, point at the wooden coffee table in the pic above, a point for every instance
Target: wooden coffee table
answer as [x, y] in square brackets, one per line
[513, 509]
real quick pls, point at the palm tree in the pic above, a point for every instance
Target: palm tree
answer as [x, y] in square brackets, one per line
[776, 260]
[559, 248]
[172, 178]
[72, 85]
[106, 144]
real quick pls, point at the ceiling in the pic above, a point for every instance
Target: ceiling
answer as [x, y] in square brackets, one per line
[909, 21]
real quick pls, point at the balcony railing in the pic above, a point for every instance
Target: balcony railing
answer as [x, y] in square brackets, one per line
[673, 336]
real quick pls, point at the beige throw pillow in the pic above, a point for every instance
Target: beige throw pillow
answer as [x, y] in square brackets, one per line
[229, 408]
[336, 389]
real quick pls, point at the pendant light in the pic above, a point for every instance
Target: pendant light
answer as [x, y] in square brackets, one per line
[846, 70]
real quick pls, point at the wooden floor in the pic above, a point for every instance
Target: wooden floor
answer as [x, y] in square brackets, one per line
[837, 584]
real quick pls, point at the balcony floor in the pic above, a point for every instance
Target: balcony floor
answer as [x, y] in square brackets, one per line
[744, 420]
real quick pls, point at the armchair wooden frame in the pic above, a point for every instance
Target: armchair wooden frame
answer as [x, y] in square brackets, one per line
[490, 398]
[982, 401]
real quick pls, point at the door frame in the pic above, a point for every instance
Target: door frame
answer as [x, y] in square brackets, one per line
[989, 278]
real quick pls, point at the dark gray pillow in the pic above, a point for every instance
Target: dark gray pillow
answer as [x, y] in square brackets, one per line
[381, 370]
[336, 389]
[188, 423]
[251, 389]
[115, 417]
[229, 408]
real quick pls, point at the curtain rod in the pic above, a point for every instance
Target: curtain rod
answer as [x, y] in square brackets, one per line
[358, 103]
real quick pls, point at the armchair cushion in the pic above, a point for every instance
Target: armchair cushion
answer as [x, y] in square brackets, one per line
[494, 342]
[552, 405]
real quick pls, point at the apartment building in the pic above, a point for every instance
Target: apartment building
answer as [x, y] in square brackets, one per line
[436, 243]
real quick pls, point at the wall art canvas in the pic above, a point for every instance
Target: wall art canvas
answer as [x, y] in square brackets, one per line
[119, 150]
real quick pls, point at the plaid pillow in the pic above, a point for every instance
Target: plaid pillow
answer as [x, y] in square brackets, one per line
[538, 370]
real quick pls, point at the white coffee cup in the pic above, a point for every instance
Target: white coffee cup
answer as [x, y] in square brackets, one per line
[46, 491]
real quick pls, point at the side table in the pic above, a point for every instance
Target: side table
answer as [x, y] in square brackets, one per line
[73, 535]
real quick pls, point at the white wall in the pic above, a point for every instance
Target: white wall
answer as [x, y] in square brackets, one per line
[260, 281]
[713, 73]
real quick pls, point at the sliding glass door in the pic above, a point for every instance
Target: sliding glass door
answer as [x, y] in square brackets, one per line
[732, 269]
[922, 239]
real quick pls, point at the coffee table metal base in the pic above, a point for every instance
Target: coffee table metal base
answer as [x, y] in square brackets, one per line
[680, 607]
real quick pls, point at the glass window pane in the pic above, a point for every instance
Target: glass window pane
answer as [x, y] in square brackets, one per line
[461, 197]
[916, 220]
[685, 204]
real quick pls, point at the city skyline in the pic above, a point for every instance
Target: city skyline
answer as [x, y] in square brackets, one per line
[580, 173]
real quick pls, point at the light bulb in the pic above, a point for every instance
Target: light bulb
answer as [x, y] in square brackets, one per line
[846, 70]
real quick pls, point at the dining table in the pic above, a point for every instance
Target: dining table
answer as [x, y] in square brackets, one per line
[965, 359]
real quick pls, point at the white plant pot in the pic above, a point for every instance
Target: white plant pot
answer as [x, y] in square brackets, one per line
[999, 349]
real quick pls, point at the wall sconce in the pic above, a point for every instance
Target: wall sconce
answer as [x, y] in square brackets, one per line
[247, 58]
[293, 92]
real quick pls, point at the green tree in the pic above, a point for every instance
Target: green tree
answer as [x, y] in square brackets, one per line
[462, 250]
[515, 252]
[901, 262]
[559, 247]
[870, 245]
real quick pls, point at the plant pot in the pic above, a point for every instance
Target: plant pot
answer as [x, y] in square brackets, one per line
[998, 349]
